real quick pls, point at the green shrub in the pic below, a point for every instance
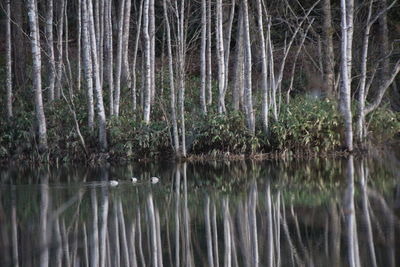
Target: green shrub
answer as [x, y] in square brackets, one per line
[224, 133]
[383, 123]
[307, 124]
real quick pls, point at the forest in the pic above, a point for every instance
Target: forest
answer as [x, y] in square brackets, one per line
[143, 79]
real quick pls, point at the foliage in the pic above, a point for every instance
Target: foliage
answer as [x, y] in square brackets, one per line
[224, 133]
[383, 123]
[307, 124]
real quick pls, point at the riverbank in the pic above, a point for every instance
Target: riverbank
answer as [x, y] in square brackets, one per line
[306, 128]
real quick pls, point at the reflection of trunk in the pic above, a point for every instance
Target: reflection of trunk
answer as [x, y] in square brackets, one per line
[85, 246]
[351, 227]
[103, 225]
[124, 241]
[132, 243]
[65, 244]
[94, 253]
[367, 218]
[57, 236]
[335, 235]
[159, 244]
[115, 246]
[188, 250]
[153, 234]
[253, 225]
[139, 227]
[215, 234]
[43, 231]
[227, 234]
[14, 228]
[208, 233]
[270, 237]
[177, 219]
[277, 228]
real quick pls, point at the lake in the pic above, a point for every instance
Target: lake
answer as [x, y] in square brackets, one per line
[317, 212]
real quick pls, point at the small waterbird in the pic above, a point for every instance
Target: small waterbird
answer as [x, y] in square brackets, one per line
[154, 180]
[113, 183]
[134, 180]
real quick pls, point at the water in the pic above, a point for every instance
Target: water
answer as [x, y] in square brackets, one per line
[320, 212]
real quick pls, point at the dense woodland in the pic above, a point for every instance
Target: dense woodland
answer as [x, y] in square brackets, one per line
[146, 78]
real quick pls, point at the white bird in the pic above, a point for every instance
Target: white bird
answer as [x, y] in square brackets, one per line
[134, 180]
[113, 182]
[154, 180]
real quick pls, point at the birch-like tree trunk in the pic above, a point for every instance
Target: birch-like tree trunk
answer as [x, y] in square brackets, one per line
[329, 56]
[79, 46]
[36, 71]
[126, 72]
[264, 70]
[147, 64]
[346, 50]
[138, 30]
[87, 65]
[59, 66]
[8, 61]
[209, 55]
[108, 50]
[152, 36]
[227, 43]
[237, 93]
[171, 81]
[50, 49]
[98, 90]
[203, 77]
[219, 34]
[248, 99]
[118, 63]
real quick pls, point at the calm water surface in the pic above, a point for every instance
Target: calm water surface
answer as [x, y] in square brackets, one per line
[342, 212]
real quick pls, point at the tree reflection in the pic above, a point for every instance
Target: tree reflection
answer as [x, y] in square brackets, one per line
[179, 223]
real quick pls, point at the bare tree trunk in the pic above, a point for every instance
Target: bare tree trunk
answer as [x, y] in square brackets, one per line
[108, 50]
[239, 61]
[208, 233]
[59, 67]
[346, 48]
[126, 72]
[248, 99]
[138, 30]
[264, 70]
[50, 49]
[203, 74]
[9, 61]
[37, 79]
[99, 94]
[227, 44]
[220, 57]
[171, 82]
[329, 56]
[152, 35]
[117, 86]
[79, 40]
[209, 55]
[87, 65]
[147, 63]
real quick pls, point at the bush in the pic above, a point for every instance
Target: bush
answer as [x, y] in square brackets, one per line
[224, 133]
[307, 124]
[383, 123]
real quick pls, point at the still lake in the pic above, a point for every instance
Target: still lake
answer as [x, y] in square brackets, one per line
[317, 212]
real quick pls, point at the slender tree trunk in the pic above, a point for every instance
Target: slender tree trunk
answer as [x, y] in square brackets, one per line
[209, 55]
[220, 57]
[203, 77]
[346, 49]
[152, 36]
[59, 67]
[227, 44]
[98, 90]
[102, 21]
[95, 231]
[103, 225]
[154, 247]
[9, 61]
[37, 79]
[227, 234]
[138, 30]
[79, 40]
[329, 57]
[247, 71]
[108, 50]
[50, 49]
[126, 72]
[44, 202]
[171, 81]
[119, 58]
[264, 70]
[20, 49]
[87, 65]
[147, 63]
[208, 233]
[239, 61]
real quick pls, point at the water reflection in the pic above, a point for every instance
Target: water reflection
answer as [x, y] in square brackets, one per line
[332, 213]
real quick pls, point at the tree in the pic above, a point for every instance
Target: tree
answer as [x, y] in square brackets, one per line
[203, 74]
[36, 72]
[50, 49]
[147, 63]
[347, 9]
[8, 61]
[329, 56]
[220, 57]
